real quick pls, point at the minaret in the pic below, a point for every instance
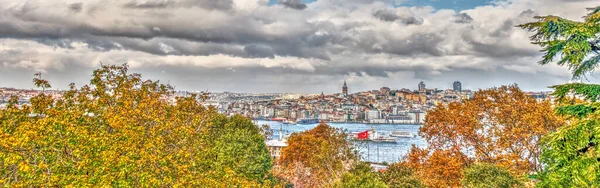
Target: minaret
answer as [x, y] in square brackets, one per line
[281, 132]
[345, 89]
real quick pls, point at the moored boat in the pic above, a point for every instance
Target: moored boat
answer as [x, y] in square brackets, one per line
[384, 139]
[287, 122]
[307, 121]
[402, 134]
[279, 119]
[372, 136]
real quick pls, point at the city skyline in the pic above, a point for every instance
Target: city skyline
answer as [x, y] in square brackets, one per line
[345, 90]
[291, 46]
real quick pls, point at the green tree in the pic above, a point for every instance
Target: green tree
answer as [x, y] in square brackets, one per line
[577, 43]
[400, 175]
[123, 131]
[236, 144]
[361, 175]
[572, 154]
[488, 175]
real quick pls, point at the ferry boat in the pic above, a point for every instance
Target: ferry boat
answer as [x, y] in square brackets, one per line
[385, 139]
[372, 137]
[402, 134]
[288, 122]
[307, 121]
[278, 119]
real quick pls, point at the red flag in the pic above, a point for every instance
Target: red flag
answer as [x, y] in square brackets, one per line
[363, 135]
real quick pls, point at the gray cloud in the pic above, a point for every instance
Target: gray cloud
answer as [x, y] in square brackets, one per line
[417, 44]
[294, 4]
[149, 4]
[76, 7]
[386, 15]
[162, 4]
[391, 16]
[221, 43]
[527, 12]
[255, 50]
[463, 18]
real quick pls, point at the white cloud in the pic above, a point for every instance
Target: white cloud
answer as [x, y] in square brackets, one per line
[328, 41]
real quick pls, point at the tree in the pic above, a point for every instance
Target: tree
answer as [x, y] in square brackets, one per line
[437, 168]
[361, 175]
[488, 175]
[571, 154]
[317, 157]
[500, 126]
[400, 175]
[236, 144]
[578, 43]
[124, 131]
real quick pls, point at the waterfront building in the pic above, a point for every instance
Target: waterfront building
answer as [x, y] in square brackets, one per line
[373, 114]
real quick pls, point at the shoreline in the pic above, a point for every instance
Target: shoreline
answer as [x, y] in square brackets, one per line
[345, 123]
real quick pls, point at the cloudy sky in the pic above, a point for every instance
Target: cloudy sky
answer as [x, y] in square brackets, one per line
[300, 46]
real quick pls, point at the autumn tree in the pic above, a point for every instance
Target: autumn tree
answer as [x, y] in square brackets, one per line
[572, 154]
[483, 175]
[501, 126]
[122, 130]
[400, 175]
[437, 168]
[317, 157]
[361, 175]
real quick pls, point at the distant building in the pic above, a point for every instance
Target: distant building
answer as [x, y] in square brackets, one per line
[422, 87]
[457, 86]
[373, 114]
[275, 147]
[539, 96]
[345, 89]
[385, 90]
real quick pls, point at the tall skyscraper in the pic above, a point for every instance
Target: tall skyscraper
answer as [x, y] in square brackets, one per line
[345, 88]
[457, 86]
[422, 86]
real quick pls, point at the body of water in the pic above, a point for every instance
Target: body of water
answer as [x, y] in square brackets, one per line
[369, 151]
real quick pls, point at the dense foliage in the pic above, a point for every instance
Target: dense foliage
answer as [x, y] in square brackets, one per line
[500, 126]
[400, 175]
[438, 168]
[124, 131]
[317, 157]
[577, 43]
[488, 176]
[361, 175]
[572, 154]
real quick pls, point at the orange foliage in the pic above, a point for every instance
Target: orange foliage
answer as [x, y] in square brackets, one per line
[500, 126]
[315, 158]
[440, 168]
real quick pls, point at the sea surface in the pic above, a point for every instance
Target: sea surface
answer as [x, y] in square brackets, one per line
[369, 151]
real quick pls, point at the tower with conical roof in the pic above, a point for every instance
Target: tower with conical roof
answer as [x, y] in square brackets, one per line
[345, 88]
